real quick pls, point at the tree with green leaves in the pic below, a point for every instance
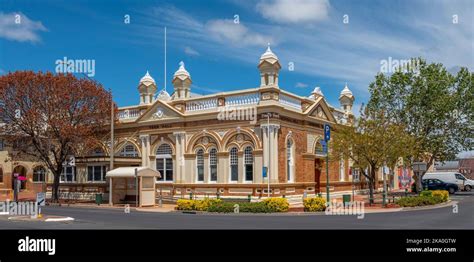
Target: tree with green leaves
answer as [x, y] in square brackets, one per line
[435, 106]
[371, 143]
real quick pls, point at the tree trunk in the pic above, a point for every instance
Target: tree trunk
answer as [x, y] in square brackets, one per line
[55, 196]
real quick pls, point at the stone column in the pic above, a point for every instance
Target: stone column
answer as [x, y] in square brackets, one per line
[145, 141]
[179, 157]
[270, 151]
[274, 153]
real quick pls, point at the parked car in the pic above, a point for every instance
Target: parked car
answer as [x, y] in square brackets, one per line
[436, 184]
[452, 177]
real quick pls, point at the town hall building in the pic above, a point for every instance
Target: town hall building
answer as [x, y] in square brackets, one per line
[229, 144]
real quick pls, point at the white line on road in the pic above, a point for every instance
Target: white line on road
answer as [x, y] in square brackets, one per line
[59, 219]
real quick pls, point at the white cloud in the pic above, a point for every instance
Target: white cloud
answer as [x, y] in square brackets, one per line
[225, 30]
[294, 11]
[18, 27]
[301, 85]
[190, 51]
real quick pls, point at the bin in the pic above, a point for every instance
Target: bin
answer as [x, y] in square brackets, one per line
[346, 199]
[98, 198]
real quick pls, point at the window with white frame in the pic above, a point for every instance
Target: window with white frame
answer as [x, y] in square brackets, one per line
[213, 165]
[129, 150]
[289, 160]
[248, 162]
[39, 174]
[319, 150]
[234, 164]
[68, 174]
[96, 173]
[164, 162]
[200, 165]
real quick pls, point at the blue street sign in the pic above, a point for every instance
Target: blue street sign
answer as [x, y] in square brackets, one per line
[264, 171]
[324, 145]
[327, 132]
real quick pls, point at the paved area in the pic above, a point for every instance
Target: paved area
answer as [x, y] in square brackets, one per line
[107, 218]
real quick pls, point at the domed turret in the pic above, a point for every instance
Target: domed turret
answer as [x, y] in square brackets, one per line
[269, 67]
[147, 89]
[346, 99]
[182, 82]
[164, 96]
[316, 93]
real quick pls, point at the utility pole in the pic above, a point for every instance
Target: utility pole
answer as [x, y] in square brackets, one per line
[268, 168]
[112, 118]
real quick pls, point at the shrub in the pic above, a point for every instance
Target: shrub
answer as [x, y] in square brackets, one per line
[420, 200]
[277, 204]
[198, 205]
[426, 193]
[267, 206]
[441, 193]
[222, 207]
[185, 204]
[314, 204]
[203, 205]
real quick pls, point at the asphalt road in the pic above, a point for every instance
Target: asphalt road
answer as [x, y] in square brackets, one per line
[102, 218]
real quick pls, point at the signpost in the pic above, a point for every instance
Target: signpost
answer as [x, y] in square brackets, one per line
[327, 136]
[418, 169]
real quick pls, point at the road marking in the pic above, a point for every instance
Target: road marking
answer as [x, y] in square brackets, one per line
[59, 219]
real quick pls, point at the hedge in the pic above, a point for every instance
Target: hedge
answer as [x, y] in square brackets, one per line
[269, 205]
[314, 204]
[425, 198]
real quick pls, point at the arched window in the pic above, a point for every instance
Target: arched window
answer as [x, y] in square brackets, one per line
[319, 150]
[164, 162]
[39, 174]
[290, 160]
[200, 165]
[129, 150]
[98, 152]
[234, 164]
[248, 162]
[213, 164]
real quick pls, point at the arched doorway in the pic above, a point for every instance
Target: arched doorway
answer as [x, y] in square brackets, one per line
[17, 172]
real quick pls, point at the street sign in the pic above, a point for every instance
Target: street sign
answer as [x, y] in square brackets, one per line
[264, 171]
[327, 132]
[324, 145]
[419, 166]
[40, 198]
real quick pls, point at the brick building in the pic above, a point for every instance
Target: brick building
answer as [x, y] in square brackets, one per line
[218, 143]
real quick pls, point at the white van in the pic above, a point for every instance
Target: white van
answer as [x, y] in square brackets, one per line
[452, 177]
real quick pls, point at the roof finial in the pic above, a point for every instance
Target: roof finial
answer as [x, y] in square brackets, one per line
[268, 47]
[181, 64]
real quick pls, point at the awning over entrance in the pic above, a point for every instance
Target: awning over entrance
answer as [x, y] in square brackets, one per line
[130, 172]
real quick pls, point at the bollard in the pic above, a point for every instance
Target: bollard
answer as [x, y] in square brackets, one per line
[406, 192]
[218, 195]
[249, 198]
[191, 196]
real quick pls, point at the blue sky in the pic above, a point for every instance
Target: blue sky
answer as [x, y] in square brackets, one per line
[222, 55]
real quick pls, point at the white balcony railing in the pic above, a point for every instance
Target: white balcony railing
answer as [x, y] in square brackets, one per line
[246, 99]
[204, 104]
[290, 101]
[129, 114]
